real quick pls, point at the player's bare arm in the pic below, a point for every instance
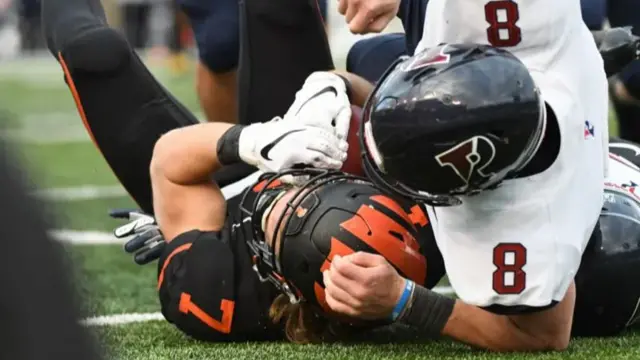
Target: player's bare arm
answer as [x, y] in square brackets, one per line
[184, 159]
[545, 330]
[184, 197]
[357, 285]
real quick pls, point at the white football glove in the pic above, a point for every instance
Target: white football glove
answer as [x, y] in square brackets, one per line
[147, 242]
[322, 102]
[278, 145]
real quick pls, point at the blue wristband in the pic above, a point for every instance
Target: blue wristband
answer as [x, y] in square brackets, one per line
[397, 310]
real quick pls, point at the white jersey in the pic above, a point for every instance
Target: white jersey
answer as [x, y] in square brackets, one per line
[539, 31]
[521, 244]
[548, 36]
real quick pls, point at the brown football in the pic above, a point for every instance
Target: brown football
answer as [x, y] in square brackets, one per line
[353, 164]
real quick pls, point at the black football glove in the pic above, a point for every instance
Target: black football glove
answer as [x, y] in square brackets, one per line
[147, 242]
[618, 47]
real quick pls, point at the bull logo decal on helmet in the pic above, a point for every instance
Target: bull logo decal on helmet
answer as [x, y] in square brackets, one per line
[469, 157]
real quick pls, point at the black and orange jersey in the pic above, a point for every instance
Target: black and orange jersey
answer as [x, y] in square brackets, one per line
[208, 288]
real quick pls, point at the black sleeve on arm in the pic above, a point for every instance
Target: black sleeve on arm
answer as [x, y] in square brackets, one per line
[39, 319]
[427, 311]
[124, 108]
[281, 43]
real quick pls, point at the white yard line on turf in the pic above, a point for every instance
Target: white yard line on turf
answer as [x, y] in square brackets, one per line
[93, 192]
[132, 318]
[122, 319]
[81, 193]
[62, 127]
[76, 237]
[85, 237]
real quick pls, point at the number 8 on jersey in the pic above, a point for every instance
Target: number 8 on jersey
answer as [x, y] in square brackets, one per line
[509, 277]
[502, 16]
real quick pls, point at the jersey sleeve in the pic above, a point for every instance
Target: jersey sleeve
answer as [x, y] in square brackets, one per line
[197, 287]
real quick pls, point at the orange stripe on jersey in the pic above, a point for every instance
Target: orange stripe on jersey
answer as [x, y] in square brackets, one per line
[186, 306]
[76, 97]
[407, 259]
[176, 251]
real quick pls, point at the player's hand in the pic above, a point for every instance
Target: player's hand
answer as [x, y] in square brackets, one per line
[363, 285]
[147, 242]
[278, 145]
[368, 16]
[322, 102]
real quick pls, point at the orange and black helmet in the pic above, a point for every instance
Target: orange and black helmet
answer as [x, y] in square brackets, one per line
[335, 214]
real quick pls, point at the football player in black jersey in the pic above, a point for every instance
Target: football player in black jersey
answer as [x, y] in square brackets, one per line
[333, 215]
[221, 298]
[206, 282]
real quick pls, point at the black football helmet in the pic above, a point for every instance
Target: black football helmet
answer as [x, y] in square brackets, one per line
[608, 281]
[333, 213]
[451, 120]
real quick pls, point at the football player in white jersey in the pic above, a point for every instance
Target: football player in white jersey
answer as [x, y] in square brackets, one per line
[518, 146]
[518, 143]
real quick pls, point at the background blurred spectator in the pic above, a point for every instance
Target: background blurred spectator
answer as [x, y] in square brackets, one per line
[30, 30]
[9, 35]
[134, 20]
